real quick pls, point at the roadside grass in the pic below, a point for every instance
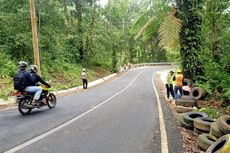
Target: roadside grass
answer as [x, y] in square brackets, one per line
[61, 79]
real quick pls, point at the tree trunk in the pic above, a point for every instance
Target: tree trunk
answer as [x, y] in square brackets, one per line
[89, 41]
[190, 37]
[131, 49]
[78, 6]
[65, 11]
[214, 48]
[114, 59]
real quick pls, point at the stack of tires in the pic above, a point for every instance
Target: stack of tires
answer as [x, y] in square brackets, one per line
[202, 126]
[220, 130]
[186, 120]
[185, 104]
[213, 135]
[188, 103]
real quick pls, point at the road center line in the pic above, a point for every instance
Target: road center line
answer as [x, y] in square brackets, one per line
[37, 138]
[164, 141]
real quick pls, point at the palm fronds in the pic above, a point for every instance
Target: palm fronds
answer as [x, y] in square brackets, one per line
[169, 31]
[140, 22]
[144, 27]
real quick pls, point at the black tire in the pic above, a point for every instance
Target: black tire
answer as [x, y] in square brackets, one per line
[222, 145]
[197, 93]
[215, 131]
[182, 109]
[186, 103]
[204, 142]
[197, 132]
[203, 123]
[190, 116]
[187, 98]
[223, 124]
[183, 123]
[212, 137]
[22, 107]
[51, 100]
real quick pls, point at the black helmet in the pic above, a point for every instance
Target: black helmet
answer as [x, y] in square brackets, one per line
[22, 64]
[34, 68]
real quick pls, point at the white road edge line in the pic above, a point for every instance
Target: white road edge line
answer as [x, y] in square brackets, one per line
[37, 138]
[164, 140]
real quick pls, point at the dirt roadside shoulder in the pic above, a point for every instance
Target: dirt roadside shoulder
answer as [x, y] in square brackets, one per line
[174, 136]
[185, 137]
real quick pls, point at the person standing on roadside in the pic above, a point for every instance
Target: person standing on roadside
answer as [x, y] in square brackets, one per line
[84, 78]
[169, 84]
[178, 83]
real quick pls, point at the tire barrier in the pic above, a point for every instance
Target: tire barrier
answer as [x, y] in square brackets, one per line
[204, 142]
[187, 98]
[182, 109]
[212, 137]
[183, 123]
[222, 145]
[223, 124]
[190, 116]
[215, 131]
[203, 123]
[197, 132]
[197, 93]
[185, 103]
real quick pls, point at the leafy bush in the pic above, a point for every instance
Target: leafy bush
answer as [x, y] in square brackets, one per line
[212, 112]
[225, 100]
[7, 66]
[201, 81]
[215, 80]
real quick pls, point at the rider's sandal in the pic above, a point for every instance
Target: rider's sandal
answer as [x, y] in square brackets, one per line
[44, 101]
[33, 104]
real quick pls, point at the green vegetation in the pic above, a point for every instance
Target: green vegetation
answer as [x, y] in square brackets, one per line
[212, 112]
[196, 36]
[82, 33]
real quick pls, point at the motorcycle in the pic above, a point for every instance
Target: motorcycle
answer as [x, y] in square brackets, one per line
[24, 100]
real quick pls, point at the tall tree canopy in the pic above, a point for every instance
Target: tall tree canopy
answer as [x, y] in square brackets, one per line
[82, 33]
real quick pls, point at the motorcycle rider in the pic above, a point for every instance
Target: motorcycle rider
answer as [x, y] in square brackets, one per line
[36, 78]
[27, 83]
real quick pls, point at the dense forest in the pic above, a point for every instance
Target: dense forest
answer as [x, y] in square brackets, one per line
[84, 33]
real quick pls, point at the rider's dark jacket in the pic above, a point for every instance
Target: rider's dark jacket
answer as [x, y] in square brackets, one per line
[26, 79]
[36, 78]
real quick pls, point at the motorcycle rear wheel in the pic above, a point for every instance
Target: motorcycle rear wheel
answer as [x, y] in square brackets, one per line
[51, 100]
[22, 107]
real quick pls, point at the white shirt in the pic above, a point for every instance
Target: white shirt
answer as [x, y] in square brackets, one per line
[83, 75]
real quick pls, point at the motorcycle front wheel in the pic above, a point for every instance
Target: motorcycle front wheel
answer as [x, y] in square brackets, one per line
[51, 100]
[23, 109]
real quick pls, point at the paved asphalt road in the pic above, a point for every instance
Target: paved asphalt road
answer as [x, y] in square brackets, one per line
[118, 117]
